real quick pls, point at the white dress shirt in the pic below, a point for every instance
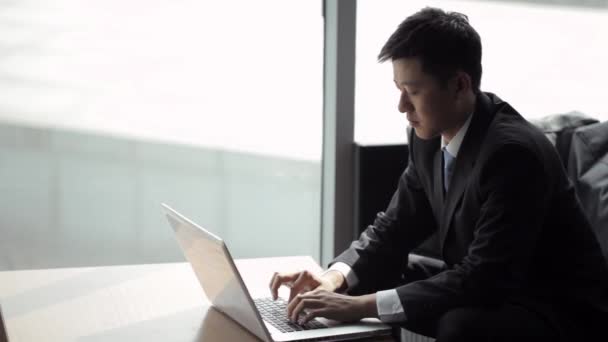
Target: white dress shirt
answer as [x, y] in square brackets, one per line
[387, 302]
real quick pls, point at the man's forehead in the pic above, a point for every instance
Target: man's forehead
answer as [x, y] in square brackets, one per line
[407, 71]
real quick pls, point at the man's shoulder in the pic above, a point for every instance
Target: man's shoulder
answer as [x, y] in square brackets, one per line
[510, 135]
[509, 127]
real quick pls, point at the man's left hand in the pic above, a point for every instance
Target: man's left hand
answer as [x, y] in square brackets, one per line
[339, 307]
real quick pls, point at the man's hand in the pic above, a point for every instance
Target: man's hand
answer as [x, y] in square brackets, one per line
[323, 303]
[315, 296]
[305, 281]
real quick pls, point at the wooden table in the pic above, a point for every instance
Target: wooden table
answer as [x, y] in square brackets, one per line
[157, 302]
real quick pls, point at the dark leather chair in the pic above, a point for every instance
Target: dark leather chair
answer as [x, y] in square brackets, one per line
[582, 143]
[588, 169]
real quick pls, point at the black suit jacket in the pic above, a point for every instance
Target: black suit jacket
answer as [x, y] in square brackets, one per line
[510, 227]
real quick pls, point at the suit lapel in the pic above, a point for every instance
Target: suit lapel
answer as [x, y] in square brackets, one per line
[465, 161]
[427, 156]
[438, 195]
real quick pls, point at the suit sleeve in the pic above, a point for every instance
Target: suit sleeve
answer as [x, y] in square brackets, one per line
[378, 255]
[513, 187]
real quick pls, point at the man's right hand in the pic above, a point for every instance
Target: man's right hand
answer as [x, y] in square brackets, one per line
[305, 281]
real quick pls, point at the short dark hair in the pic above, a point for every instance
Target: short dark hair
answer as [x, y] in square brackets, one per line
[443, 41]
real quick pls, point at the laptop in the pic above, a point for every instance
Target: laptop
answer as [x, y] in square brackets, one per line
[267, 319]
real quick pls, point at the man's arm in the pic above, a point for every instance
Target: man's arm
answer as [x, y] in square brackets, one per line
[348, 277]
[378, 256]
[387, 303]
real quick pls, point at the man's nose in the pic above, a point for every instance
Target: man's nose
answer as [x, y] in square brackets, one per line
[405, 105]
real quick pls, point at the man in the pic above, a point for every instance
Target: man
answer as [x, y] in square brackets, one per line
[520, 258]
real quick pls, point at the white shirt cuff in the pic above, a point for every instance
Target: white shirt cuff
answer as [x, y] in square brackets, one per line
[347, 272]
[389, 306]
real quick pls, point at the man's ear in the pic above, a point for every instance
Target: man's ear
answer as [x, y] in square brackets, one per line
[462, 83]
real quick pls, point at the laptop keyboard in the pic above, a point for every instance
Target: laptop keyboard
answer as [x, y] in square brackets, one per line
[275, 313]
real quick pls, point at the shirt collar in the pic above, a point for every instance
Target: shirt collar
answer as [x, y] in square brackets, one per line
[454, 145]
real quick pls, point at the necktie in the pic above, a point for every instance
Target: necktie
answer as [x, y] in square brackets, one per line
[448, 168]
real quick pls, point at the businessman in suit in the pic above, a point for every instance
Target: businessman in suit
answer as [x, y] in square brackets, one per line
[521, 259]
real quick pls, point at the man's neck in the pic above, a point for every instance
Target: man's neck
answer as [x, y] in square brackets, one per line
[449, 134]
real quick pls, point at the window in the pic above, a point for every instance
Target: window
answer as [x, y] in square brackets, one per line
[111, 107]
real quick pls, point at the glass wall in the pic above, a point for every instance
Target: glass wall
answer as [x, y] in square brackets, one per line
[541, 57]
[109, 108]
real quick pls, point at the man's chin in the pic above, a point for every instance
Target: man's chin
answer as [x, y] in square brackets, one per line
[424, 134]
